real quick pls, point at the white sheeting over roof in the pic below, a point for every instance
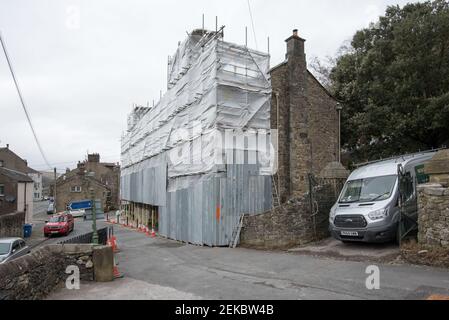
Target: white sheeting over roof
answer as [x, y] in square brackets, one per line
[213, 86]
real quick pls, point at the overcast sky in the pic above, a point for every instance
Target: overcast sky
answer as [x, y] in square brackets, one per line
[81, 64]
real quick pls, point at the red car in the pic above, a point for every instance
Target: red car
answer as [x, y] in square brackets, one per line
[61, 224]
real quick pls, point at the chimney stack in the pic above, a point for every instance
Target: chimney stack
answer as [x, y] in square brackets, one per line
[93, 158]
[295, 45]
[7, 146]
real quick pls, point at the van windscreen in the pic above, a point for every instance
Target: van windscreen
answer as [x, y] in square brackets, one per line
[368, 189]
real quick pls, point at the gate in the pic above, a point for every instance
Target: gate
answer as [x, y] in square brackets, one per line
[408, 204]
[314, 182]
[333, 187]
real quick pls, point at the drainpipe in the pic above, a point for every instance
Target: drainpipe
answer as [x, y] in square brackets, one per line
[277, 128]
[339, 108]
[25, 202]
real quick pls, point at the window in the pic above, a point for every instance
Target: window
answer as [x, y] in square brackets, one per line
[2, 190]
[58, 219]
[16, 246]
[76, 189]
[4, 248]
[1, 163]
[368, 189]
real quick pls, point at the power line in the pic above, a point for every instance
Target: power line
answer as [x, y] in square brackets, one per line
[23, 103]
[252, 23]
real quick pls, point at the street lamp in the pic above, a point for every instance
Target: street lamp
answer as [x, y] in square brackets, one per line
[339, 108]
[94, 217]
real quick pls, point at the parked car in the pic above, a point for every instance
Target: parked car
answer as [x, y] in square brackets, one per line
[77, 213]
[12, 248]
[367, 209]
[61, 224]
[51, 208]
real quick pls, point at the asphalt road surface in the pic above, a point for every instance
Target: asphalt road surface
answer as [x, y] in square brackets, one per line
[37, 238]
[164, 269]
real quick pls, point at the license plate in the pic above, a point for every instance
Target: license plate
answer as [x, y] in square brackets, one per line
[54, 232]
[350, 233]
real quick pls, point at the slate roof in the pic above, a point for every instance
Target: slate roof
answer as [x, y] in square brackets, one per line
[15, 175]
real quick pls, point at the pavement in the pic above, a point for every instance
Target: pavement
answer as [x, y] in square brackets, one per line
[164, 269]
[122, 289]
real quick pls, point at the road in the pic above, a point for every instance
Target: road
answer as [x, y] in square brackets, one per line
[164, 269]
[37, 238]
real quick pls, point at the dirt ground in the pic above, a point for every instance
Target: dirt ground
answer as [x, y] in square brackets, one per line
[414, 253]
[382, 253]
[410, 252]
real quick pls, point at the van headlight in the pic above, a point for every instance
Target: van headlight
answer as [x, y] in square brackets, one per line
[378, 214]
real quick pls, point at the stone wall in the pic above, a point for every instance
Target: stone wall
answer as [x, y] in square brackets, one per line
[433, 215]
[292, 223]
[35, 275]
[11, 225]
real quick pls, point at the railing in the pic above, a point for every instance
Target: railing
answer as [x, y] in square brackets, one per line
[87, 237]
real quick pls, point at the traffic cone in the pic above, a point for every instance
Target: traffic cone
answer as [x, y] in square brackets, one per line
[147, 231]
[114, 244]
[111, 243]
[116, 272]
[153, 234]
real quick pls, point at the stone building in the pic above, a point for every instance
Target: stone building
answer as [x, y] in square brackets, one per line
[75, 184]
[10, 160]
[16, 193]
[305, 115]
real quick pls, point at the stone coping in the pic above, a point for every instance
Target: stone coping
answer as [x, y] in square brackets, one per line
[433, 189]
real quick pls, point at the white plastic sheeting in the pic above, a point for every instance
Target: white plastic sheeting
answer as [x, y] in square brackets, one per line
[204, 153]
[213, 86]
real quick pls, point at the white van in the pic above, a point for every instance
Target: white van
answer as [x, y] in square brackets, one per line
[367, 209]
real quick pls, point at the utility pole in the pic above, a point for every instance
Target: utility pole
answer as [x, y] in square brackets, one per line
[54, 191]
[94, 217]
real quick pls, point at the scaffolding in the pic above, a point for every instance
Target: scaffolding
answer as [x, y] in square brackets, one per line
[176, 155]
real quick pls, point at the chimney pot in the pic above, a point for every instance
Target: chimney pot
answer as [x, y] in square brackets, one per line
[7, 146]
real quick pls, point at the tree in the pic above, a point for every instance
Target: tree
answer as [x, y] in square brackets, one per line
[394, 83]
